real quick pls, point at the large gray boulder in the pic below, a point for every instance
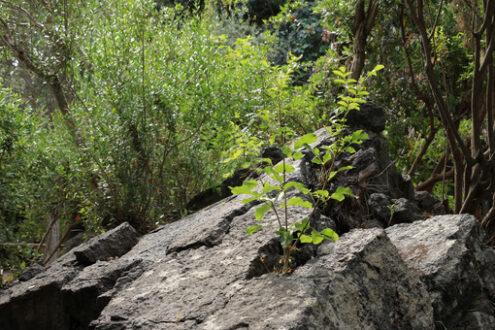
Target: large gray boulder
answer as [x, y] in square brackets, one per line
[360, 280]
[448, 253]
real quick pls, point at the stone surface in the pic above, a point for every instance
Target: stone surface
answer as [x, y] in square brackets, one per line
[448, 253]
[113, 243]
[380, 207]
[405, 211]
[429, 203]
[204, 272]
[370, 117]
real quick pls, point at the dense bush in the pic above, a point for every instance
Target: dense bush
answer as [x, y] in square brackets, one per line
[159, 106]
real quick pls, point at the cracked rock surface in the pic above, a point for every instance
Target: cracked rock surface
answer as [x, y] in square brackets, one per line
[204, 272]
[449, 255]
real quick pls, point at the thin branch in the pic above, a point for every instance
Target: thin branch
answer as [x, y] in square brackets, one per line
[486, 20]
[432, 33]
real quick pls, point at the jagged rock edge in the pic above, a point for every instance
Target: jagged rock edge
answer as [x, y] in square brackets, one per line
[224, 226]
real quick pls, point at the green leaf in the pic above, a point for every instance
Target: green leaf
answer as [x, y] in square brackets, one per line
[327, 157]
[246, 188]
[305, 239]
[297, 155]
[268, 187]
[249, 200]
[306, 139]
[353, 106]
[285, 237]
[267, 160]
[321, 193]
[297, 185]
[280, 168]
[329, 234]
[358, 136]
[260, 211]
[274, 175]
[252, 229]
[341, 192]
[317, 161]
[299, 202]
[344, 168]
[287, 151]
[378, 67]
[331, 175]
[303, 225]
[317, 237]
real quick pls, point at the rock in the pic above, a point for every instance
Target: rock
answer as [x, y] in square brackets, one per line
[405, 211]
[74, 241]
[449, 255]
[36, 303]
[380, 207]
[91, 288]
[274, 153]
[205, 272]
[429, 203]
[31, 272]
[113, 243]
[369, 117]
[346, 288]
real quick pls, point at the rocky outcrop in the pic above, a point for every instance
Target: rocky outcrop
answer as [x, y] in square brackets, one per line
[204, 272]
[411, 276]
[44, 299]
[448, 254]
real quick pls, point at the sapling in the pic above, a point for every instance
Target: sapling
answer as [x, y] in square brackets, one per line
[274, 195]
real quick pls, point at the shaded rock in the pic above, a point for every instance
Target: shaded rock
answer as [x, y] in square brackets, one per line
[88, 289]
[113, 243]
[373, 172]
[379, 205]
[370, 117]
[274, 153]
[36, 303]
[405, 211]
[215, 194]
[429, 203]
[31, 272]
[449, 255]
[74, 241]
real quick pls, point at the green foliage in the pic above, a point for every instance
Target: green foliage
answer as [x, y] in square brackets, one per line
[160, 106]
[276, 198]
[23, 169]
[275, 192]
[165, 103]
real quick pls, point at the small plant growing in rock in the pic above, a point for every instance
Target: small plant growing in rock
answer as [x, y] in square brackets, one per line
[275, 196]
[273, 191]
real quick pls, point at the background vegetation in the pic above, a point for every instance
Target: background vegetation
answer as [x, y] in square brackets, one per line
[123, 110]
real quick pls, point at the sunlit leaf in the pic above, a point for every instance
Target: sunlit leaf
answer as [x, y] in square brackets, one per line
[260, 211]
[297, 185]
[298, 201]
[252, 229]
[305, 139]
